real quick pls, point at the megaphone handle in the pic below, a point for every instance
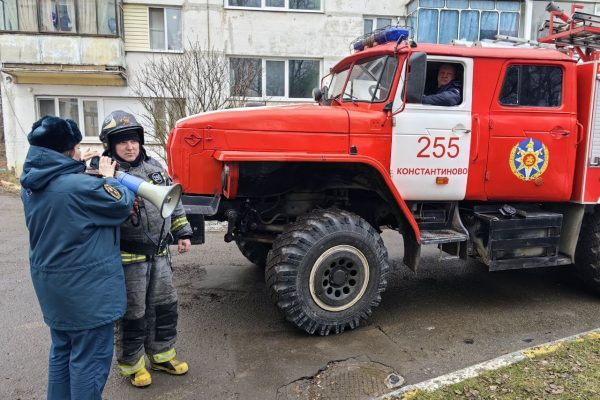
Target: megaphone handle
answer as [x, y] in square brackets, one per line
[136, 218]
[160, 237]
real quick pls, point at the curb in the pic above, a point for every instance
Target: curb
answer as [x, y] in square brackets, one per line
[408, 392]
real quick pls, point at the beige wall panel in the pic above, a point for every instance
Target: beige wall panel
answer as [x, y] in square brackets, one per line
[136, 27]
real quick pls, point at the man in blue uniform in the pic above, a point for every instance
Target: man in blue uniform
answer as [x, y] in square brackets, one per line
[73, 221]
[449, 90]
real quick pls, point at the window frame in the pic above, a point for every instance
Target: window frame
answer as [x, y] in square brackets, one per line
[166, 30]
[530, 64]
[118, 21]
[375, 18]
[414, 16]
[80, 112]
[286, 60]
[458, 63]
[264, 7]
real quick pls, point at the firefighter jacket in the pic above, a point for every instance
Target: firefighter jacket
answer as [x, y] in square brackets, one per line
[73, 221]
[140, 234]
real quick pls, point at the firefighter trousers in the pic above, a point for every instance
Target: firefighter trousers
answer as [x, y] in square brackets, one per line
[150, 322]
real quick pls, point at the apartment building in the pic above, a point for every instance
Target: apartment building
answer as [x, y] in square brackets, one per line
[77, 58]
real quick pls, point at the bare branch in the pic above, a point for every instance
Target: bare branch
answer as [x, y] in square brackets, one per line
[170, 87]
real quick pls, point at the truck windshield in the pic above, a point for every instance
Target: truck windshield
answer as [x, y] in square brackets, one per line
[336, 85]
[371, 79]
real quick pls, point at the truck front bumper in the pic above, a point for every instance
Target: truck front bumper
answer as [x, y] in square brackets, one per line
[196, 207]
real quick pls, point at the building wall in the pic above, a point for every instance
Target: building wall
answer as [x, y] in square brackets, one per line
[19, 108]
[323, 35]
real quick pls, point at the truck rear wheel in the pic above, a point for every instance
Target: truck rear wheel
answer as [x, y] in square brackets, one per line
[587, 253]
[255, 252]
[327, 271]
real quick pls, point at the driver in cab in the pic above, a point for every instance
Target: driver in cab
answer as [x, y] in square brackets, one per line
[449, 89]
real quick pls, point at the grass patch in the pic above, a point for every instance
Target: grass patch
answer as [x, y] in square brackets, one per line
[570, 372]
[9, 182]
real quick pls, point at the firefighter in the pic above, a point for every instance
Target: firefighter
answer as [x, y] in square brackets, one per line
[449, 90]
[74, 256]
[150, 323]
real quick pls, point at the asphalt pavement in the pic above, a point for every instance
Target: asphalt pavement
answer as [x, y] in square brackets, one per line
[449, 315]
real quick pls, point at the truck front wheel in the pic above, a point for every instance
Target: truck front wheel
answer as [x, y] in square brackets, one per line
[587, 254]
[327, 271]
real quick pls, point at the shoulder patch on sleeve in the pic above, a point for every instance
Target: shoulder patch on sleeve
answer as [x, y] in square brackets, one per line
[112, 191]
[157, 178]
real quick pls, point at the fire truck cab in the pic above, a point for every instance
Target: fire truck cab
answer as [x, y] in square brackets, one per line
[509, 174]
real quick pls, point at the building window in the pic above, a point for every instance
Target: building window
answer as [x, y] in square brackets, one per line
[372, 23]
[95, 17]
[441, 21]
[303, 78]
[246, 77]
[300, 5]
[256, 77]
[84, 111]
[57, 16]
[165, 28]
[532, 86]
[18, 15]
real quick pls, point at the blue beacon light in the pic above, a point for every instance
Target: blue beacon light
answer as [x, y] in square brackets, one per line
[380, 36]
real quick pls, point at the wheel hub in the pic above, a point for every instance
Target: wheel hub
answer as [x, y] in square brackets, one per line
[339, 278]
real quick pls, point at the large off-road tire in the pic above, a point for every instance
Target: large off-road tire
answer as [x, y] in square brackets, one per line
[587, 253]
[327, 271]
[255, 252]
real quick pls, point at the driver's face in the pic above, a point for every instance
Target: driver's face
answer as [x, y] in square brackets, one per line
[446, 75]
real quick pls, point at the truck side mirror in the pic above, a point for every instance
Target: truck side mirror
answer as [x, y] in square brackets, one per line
[317, 94]
[320, 94]
[417, 72]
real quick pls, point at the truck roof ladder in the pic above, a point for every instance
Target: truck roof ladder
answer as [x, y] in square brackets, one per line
[578, 33]
[503, 41]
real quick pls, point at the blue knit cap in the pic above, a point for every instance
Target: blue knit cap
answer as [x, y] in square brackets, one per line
[54, 133]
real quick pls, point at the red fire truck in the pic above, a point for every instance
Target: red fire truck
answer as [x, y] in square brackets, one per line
[510, 175]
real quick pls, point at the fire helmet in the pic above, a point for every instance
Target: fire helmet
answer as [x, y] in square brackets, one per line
[120, 125]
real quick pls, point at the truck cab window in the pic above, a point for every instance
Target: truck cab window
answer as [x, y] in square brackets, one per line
[336, 84]
[444, 84]
[371, 79]
[532, 86]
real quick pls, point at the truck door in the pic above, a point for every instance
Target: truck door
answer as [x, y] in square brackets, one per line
[533, 133]
[431, 143]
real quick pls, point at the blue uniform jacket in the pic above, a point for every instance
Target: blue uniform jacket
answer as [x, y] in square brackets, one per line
[73, 221]
[448, 95]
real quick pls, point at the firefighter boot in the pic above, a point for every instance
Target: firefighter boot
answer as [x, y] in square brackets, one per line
[141, 378]
[173, 367]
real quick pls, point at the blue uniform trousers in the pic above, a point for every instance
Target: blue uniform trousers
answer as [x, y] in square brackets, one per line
[79, 363]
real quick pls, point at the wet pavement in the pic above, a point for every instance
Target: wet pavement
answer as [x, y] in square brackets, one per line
[449, 315]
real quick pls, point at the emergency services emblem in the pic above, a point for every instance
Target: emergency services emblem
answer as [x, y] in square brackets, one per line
[529, 159]
[112, 191]
[157, 178]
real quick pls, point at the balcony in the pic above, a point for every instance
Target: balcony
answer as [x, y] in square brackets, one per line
[74, 42]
